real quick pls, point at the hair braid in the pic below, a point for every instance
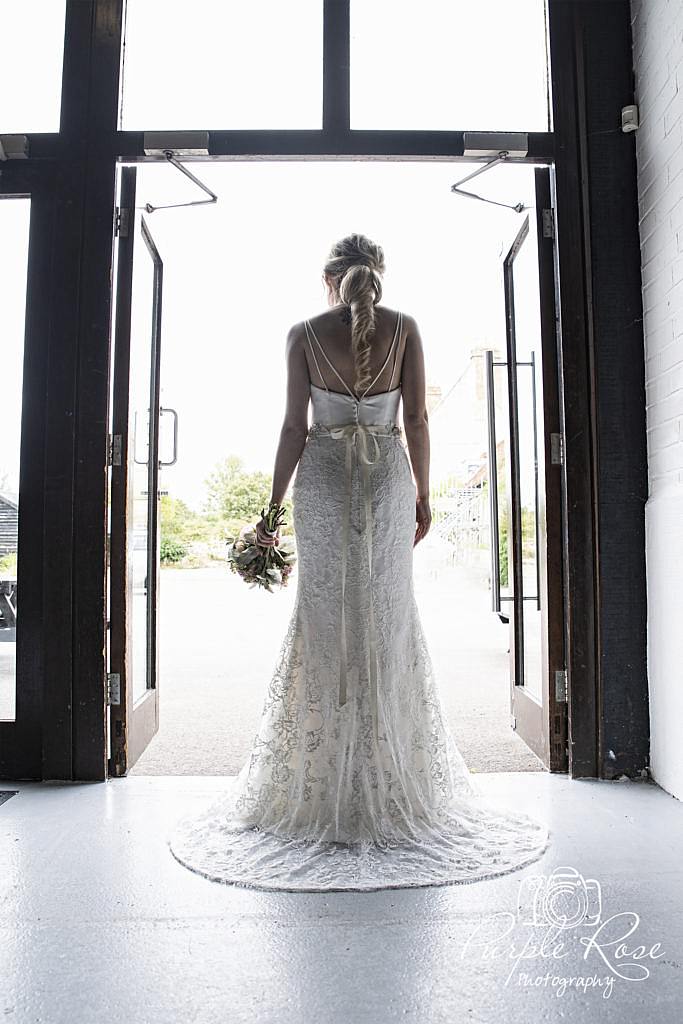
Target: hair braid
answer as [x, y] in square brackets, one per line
[355, 266]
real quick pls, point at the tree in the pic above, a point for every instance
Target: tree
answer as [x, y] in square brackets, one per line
[235, 498]
[179, 522]
[234, 494]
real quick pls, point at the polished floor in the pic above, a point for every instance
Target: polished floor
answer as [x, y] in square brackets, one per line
[99, 922]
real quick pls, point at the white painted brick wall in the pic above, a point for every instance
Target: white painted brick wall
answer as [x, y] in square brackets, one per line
[658, 63]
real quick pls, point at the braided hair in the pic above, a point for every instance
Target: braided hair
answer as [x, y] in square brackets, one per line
[355, 266]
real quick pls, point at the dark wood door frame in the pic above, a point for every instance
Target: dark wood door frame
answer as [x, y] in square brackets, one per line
[134, 721]
[64, 701]
[601, 374]
[577, 402]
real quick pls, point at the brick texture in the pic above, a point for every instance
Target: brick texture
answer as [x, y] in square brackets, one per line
[657, 27]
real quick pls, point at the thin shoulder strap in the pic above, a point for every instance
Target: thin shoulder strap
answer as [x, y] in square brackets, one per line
[331, 366]
[391, 349]
[398, 334]
[315, 358]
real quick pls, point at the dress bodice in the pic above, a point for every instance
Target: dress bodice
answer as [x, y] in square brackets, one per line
[333, 408]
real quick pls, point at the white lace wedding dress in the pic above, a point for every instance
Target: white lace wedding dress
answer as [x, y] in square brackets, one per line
[354, 780]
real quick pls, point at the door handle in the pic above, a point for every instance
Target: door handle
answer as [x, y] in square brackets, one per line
[493, 483]
[537, 503]
[174, 414]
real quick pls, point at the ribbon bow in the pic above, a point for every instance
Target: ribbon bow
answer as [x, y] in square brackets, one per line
[357, 436]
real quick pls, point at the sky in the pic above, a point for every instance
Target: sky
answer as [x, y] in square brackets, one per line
[238, 273]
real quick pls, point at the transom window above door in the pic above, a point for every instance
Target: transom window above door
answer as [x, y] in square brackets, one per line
[440, 65]
[228, 65]
[446, 65]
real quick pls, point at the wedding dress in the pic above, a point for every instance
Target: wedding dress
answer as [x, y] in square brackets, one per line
[354, 780]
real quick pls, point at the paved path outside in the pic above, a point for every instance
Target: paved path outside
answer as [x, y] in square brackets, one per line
[220, 640]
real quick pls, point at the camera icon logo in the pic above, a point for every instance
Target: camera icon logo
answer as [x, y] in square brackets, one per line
[563, 899]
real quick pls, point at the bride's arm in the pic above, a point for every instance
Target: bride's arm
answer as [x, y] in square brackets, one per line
[416, 423]
[295, 424]
[415, 419]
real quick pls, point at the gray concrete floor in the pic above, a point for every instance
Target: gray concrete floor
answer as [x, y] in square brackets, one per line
[219, 642]
[99, 922]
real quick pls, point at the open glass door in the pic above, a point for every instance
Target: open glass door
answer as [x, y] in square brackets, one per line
[527, 554]
[134, 544]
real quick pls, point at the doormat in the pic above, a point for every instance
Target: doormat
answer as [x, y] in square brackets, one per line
[5, 794]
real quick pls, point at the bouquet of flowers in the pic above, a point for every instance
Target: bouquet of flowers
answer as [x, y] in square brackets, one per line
[257, 564]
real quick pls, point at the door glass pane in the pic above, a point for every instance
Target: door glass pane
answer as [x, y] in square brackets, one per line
[527, 320]
[14, 231]
[31, 66]
[138, 535]
[222, 65]
[448, 64]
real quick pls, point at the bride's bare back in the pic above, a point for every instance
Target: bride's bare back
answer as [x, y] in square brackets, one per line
[333, 328]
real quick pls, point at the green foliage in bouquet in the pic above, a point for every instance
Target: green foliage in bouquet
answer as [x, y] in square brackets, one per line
[261, 565]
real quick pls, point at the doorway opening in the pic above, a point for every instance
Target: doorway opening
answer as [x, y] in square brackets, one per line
[203, 302]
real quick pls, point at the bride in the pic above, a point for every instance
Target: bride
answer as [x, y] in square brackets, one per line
[354, 780]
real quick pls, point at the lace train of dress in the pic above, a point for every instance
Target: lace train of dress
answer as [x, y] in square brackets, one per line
[357, 786]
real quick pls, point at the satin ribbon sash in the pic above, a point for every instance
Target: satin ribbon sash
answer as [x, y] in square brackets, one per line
[358, 437]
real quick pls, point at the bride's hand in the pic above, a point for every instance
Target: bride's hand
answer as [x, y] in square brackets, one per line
[266, 539]
[423, 516]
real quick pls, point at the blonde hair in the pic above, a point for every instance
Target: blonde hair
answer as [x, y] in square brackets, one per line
[355, 265]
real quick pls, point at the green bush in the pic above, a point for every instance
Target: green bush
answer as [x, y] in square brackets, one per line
[171, 551]
[179, 527]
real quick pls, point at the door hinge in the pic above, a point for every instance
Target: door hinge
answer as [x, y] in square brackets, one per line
[113, 688]
[561, 686]
[513, 722]
[115, 447]
[548, 216]
[122, 222]
[557, 449]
